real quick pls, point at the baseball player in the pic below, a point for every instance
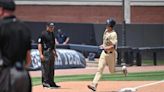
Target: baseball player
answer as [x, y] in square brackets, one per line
[15, 45]
[109, 55]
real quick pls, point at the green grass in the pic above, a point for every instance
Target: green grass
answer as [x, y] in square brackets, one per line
[150, 62]
[142, 76]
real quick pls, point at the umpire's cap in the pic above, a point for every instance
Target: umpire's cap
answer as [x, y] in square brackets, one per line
[8, 4]
[110, 22]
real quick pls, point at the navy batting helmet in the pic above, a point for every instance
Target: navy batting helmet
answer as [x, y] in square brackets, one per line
[110, 22]
[8, 4]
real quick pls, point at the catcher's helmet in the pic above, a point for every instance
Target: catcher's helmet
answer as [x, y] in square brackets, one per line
[8, 4]
[110, 22]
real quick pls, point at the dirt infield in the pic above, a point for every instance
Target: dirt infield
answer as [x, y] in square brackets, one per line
[104, 86]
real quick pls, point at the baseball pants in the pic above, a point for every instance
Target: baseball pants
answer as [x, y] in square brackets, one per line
[47, 67]
[14, 80]
[106, 59]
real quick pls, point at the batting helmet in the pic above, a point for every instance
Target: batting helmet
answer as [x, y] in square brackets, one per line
[110, 22]
[8, 4]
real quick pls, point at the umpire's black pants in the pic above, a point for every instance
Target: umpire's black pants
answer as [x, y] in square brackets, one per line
[47, 67]
[14, 80]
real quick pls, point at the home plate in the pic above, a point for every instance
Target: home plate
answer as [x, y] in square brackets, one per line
[128, 90]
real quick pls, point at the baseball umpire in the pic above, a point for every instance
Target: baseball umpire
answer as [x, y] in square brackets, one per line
[109, 55]
[15, 45]
[47, 50]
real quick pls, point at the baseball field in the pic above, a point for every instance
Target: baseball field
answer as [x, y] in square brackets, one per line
[142, 78]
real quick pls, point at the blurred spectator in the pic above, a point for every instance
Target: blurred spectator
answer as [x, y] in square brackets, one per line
[61, 37]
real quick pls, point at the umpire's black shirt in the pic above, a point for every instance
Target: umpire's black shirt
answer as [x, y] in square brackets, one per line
[15, 39]
[47, 39]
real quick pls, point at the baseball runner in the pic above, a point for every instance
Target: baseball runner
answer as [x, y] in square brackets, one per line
[108, 55]
[15, 45]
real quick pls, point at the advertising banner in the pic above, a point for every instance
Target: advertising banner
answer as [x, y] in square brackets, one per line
[66, 59]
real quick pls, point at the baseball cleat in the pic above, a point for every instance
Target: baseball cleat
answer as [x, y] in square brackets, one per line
[124, 70]
[92, 88]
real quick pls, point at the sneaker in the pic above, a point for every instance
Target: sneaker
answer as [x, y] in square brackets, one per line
[124, 70]
[51, 86]
[92, 87]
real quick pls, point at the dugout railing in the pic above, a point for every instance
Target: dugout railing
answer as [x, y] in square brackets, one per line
[152, 50]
